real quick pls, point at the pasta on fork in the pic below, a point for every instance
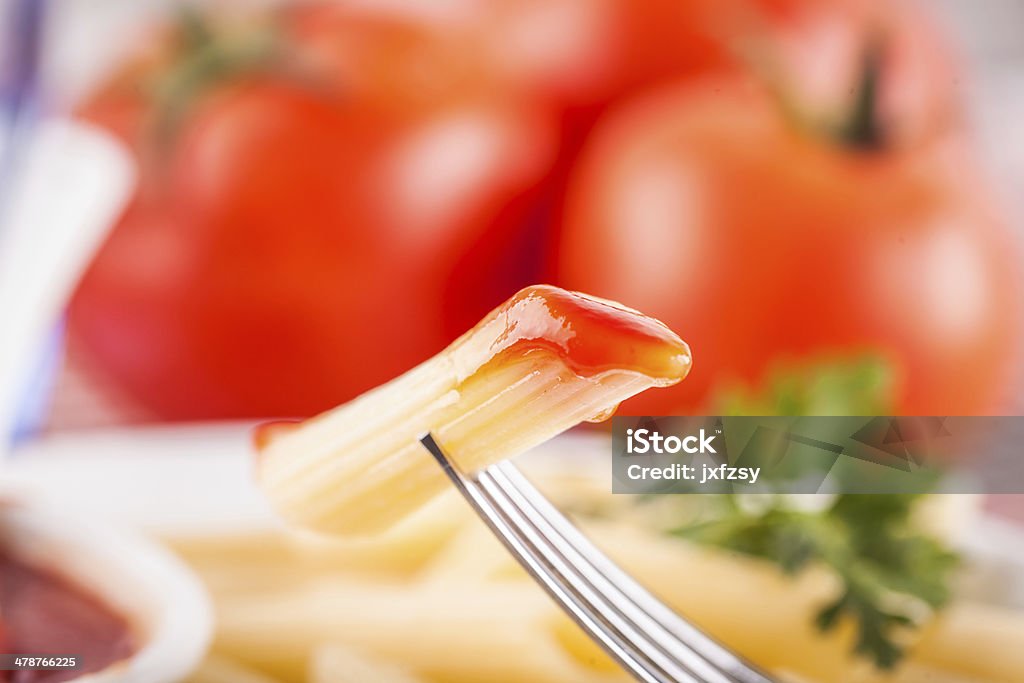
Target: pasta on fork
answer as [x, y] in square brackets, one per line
[542, 362]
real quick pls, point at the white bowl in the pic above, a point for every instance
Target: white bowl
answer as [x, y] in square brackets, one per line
[157, 594]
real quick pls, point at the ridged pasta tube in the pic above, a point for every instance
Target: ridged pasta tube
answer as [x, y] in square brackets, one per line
[542, 362]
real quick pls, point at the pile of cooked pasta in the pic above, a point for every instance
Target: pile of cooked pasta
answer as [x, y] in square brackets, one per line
[437, 599]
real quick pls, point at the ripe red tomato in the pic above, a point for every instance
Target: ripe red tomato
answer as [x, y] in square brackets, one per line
[303, 235]
[761, 242]
[818, 58]
[586, 53]
[589, 53]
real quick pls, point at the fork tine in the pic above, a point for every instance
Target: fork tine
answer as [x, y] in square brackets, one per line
[647, 638]
[580, 577]
[577, 562]
[684, 641]
[629, 656]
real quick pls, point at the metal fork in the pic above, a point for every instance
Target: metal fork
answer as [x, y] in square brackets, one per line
[648, 639]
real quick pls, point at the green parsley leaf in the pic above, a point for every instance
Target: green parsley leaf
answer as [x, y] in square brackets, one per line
[892, 575]
[862, 385]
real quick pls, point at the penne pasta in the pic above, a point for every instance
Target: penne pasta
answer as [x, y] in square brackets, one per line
[541, 363]
[976, 641]
[216, 669]
[474, 555]
[458, 608]
[473, 597]
[269, 557]
[747, 604]
[499, 633]
[912, 672]
[769, 618]
[337, 664]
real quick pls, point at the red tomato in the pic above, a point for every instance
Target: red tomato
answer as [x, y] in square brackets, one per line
[306, 234]
[585, 53]
[760, 242]
[592, 52]
[572, 52]
[819, 59]
[581, 55]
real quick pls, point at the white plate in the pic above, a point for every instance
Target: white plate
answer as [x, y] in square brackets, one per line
[163, 480]
[198, 480]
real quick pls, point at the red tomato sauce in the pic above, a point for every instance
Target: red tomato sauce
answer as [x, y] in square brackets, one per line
[589, 335]
[42, 614]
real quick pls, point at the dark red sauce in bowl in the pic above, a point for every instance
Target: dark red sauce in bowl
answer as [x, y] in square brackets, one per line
[44, 614]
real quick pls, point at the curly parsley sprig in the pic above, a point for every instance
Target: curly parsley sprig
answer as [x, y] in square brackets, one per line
[888, 569]
[891, 574]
